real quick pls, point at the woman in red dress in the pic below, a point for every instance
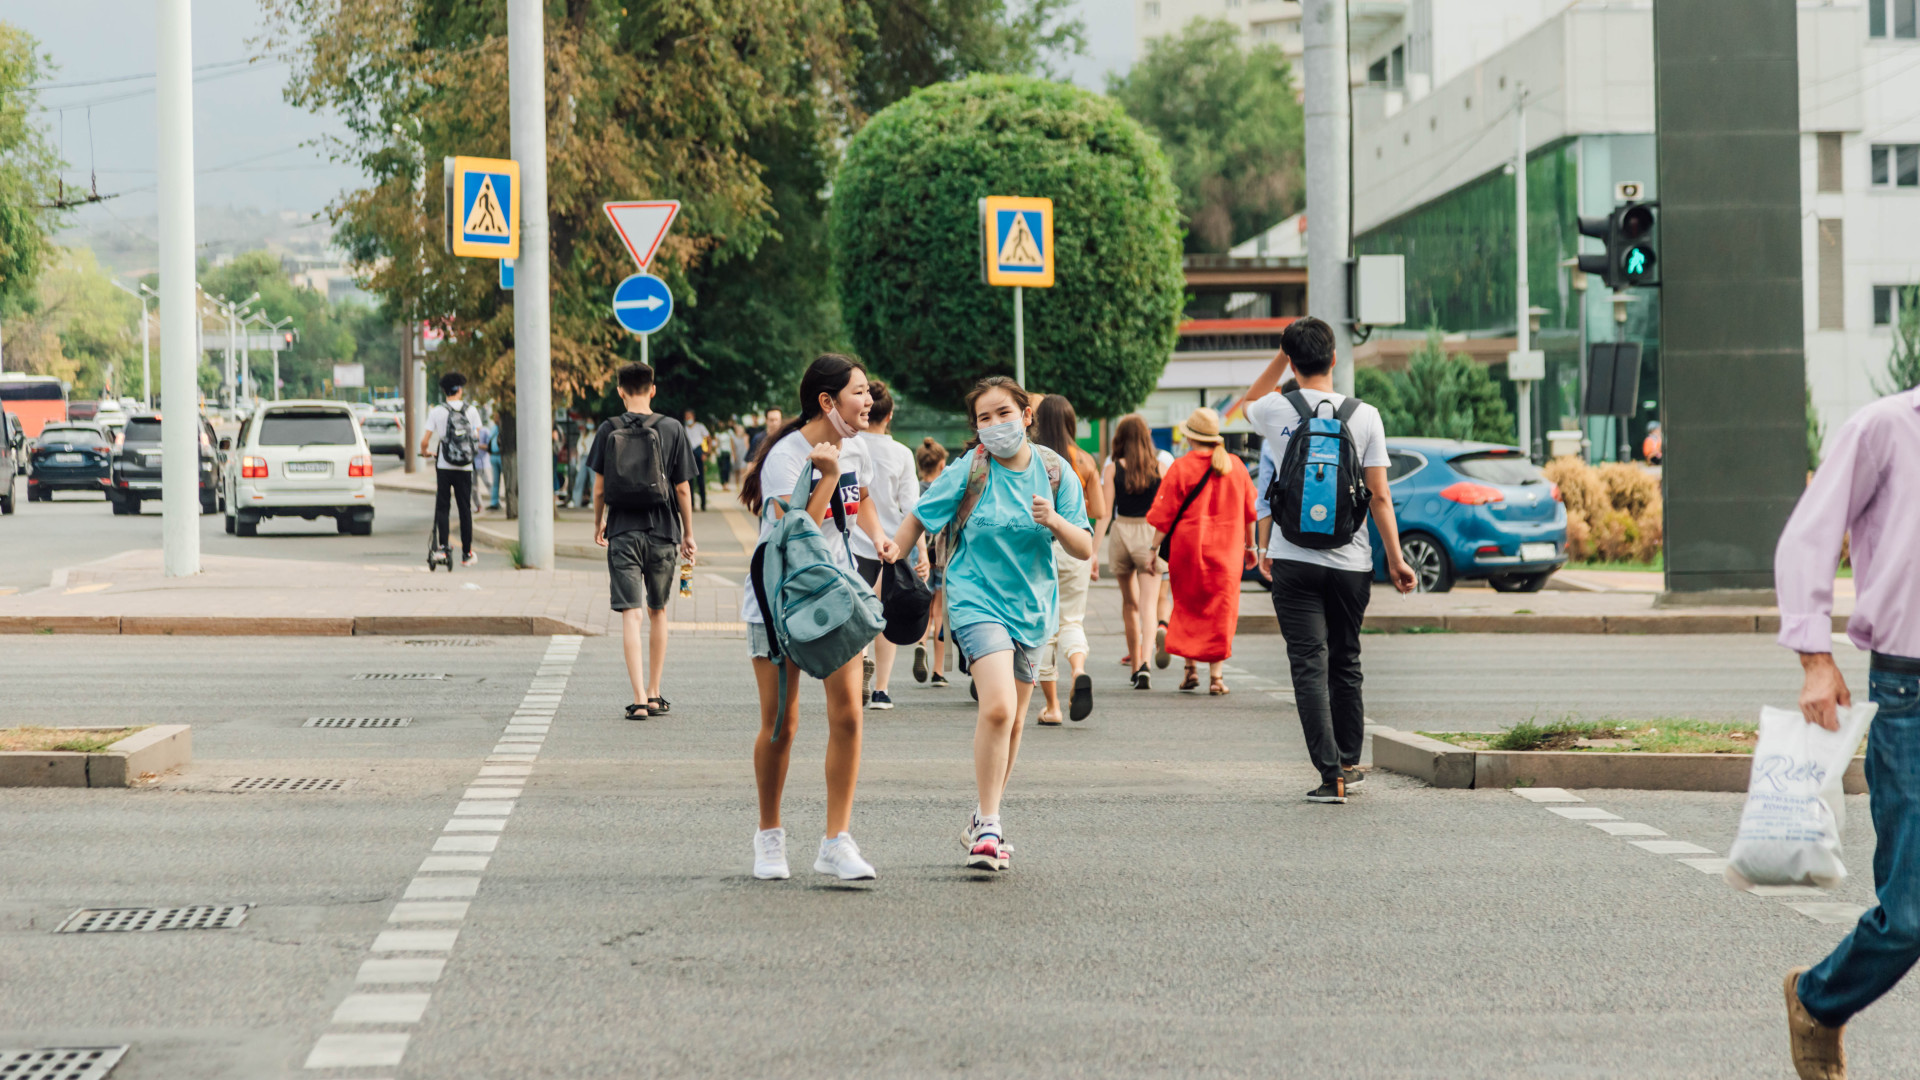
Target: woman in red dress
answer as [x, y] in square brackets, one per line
[1212, 545]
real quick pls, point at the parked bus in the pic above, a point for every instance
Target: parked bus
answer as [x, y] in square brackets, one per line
[38, 400]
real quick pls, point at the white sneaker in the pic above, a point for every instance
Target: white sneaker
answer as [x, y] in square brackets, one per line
[840, 856]
[770, 855]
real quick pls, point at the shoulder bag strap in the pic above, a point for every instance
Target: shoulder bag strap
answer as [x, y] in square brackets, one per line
[977, 473]
[1300, 405]
[1347, 409]
[1166, 544]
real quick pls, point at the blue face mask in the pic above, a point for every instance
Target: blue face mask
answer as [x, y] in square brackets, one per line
[1003, 440]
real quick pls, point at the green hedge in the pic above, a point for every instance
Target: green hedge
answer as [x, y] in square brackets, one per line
[907, 245]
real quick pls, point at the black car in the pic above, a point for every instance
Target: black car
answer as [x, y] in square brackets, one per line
[68, 457]
[12, 441]
[136, 464]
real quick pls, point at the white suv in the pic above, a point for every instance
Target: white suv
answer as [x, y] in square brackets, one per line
[299, 459]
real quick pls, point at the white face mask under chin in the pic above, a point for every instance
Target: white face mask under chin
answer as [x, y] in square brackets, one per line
[1003, 440]
[840, 425]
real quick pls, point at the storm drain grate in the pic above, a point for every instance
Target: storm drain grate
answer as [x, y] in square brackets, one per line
[357, 721]
[288, 783]
[133, 920]
[60, 1062]
[406, 676]
[448, 643]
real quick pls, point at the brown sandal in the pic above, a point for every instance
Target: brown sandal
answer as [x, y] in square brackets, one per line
[1191, 681]
[1217, 687]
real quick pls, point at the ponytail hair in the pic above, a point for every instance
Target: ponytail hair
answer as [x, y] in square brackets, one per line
[828, 374]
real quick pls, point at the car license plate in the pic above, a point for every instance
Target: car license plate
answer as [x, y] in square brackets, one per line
[308, 468]
[1537, 552]
[68, 459]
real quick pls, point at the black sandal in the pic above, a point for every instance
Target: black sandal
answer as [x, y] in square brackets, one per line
[637, 711]
[1082, 704]
[659, 706]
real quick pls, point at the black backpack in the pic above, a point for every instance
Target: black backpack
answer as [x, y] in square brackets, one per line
[456, 446]
[634, 465]
[1319, 494]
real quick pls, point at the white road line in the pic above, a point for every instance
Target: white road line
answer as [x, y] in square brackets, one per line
[483, 808]
[1583, 813]
[1670, 847]
[1706, 866]
[1547, 795]
[1625, 828]
[1833, 914]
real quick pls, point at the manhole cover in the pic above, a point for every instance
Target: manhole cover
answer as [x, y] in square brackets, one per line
[118, 920]
[288, 783]
[448, 643]
[60, 1062]
[357, 721]
[408, 676]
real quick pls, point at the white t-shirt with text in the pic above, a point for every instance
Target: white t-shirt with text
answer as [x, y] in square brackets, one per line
[890, 483]
[780, 471]
[1275, 419]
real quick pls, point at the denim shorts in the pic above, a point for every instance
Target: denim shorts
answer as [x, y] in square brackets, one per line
[759, 645]
[983, 639]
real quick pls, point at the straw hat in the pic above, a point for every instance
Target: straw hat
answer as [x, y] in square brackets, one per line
[1202, 426]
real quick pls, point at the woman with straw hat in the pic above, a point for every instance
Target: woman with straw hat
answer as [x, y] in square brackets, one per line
[1203, 513]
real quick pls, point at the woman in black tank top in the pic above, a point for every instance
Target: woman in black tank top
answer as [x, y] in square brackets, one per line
[1130, 554]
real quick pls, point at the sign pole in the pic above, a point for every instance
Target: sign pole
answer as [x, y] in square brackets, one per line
[1019, 337]
[643, 351]
[532, 314]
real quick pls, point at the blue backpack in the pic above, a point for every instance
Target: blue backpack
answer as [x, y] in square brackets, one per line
[1319, 494]
[818, 613]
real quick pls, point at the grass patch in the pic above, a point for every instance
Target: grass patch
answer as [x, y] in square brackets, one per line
[88, 741]
[1661, 735]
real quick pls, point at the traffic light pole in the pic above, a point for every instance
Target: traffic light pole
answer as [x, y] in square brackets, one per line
[1523, 300]
[532, 325]
[179, 365]
[1323, 27]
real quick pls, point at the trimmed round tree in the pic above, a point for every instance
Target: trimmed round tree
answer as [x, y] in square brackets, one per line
[907, 244]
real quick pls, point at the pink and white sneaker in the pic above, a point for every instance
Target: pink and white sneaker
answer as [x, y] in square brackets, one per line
[986, 849]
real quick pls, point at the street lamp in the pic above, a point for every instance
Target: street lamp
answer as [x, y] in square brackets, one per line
[274, 327]
[146, 347]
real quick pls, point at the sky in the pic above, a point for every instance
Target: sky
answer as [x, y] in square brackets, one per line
[251, 149]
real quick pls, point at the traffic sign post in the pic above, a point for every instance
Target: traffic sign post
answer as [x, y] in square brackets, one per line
[643, 304]
[506, 273]
[1016, 248]
[482, 208]
[642, 225]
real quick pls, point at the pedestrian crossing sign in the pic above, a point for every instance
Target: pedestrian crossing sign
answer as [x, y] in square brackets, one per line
[1017, 241]
[483, 207]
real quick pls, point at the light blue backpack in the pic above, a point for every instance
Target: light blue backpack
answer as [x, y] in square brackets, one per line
[818, 613]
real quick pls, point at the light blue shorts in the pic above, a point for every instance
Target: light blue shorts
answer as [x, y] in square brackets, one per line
[983, 639]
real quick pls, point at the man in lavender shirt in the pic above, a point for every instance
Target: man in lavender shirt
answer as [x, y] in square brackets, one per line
[1868, 487]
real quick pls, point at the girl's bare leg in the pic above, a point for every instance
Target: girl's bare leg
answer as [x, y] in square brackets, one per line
[843, 745]
[770, 759]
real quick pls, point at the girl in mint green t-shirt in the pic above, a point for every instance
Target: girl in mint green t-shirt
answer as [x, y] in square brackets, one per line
[1002, 591]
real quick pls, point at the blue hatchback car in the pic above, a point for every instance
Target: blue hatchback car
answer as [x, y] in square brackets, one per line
[1470, 511]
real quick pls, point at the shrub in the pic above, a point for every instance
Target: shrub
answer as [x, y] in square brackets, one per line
[1438, 397]
[1614, 512]
[906, 240]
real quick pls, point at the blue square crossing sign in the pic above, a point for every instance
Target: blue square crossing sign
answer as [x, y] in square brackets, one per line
[1017, 241]
[482, 211]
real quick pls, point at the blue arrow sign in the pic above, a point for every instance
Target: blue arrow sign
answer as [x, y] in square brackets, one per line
[506, 273]
[642, 303]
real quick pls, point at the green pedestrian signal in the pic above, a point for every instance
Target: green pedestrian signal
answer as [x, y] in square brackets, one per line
[1636, 261]
[1628, 236]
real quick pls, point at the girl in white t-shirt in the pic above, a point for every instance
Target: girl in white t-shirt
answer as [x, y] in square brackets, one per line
[834, 406]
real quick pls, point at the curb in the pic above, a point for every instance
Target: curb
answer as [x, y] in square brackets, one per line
[316, 626]
[1643, 624]
[155, 750]
[487, 538]
[1445, 765]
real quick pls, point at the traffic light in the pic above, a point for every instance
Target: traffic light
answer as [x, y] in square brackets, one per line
[1628, 236]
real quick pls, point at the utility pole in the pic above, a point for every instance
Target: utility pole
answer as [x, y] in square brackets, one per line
[532, 327]
[1329, 168]
[1523, 300]
[408, 406]
[179, 437]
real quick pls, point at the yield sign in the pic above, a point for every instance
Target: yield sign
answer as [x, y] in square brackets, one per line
[642, 225]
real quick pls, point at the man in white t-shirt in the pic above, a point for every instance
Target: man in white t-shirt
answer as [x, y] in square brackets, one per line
[1320, 596]
[453, 467]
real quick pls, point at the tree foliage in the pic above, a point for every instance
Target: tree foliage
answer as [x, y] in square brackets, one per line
[29, 171]
[77, 326]
[1903, 363]
[906, 239]
[1231, 125]
[907, 44]
[653, 98]
[325, 334]
[1438, 397]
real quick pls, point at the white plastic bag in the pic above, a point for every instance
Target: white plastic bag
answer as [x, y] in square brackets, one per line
[1790, 829]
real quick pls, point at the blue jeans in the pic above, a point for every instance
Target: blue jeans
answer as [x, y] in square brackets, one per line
[1886, 942]
[493, 482]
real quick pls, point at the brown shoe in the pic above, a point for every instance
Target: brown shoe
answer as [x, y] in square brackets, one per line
[1817, 1052]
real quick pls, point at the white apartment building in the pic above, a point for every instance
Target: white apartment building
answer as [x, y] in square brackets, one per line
[1425, 156]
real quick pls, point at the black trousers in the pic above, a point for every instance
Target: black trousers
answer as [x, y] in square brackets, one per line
[1320, 611]
[456, 484]
[700, 478]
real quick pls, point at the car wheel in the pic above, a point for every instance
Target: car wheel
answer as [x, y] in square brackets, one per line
[343, 525]
[246, 525]
[206, 504]
[132, 505]
[229, 524]
[6, 503]
[1432, 570]
[1520, 582]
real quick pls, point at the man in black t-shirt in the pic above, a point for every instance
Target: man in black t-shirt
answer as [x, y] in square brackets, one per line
[644, 547]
